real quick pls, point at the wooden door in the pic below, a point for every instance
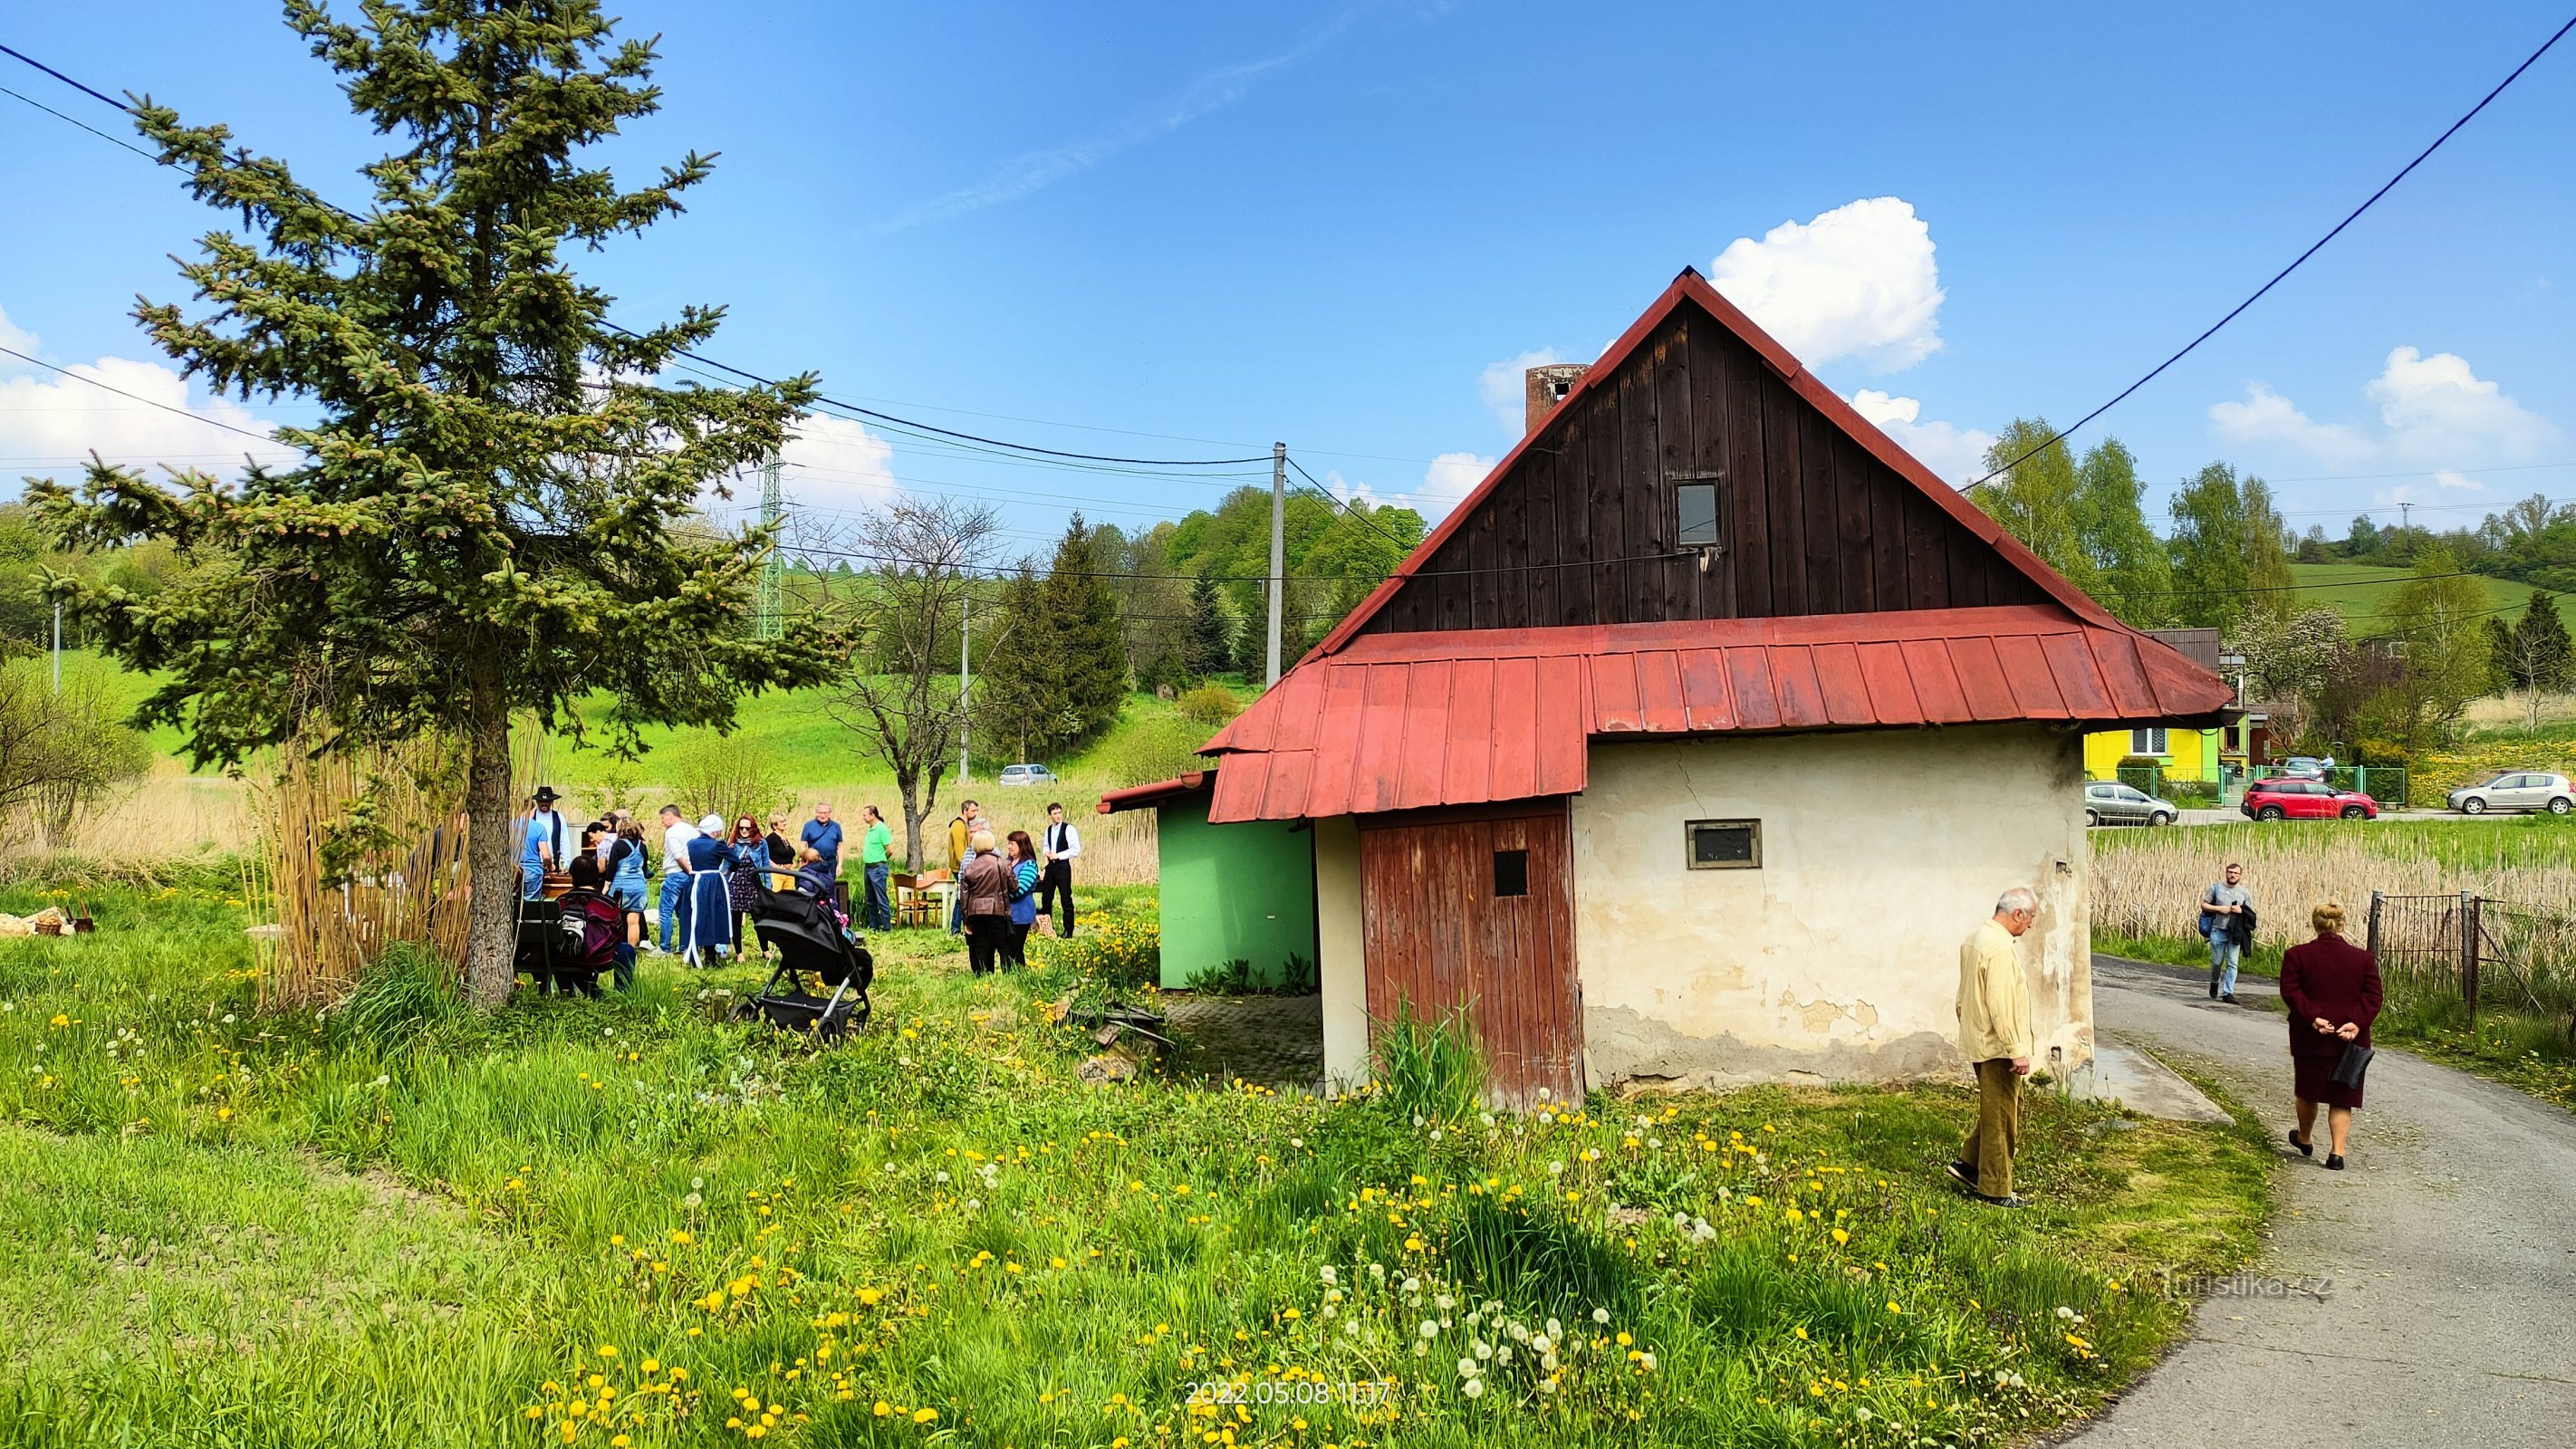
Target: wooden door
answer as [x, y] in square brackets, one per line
[1476, 909]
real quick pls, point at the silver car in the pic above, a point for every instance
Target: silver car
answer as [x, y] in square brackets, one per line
[2108, 802]
[2516, 790]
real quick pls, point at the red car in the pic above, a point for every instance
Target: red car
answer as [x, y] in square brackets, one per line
[2305, 800]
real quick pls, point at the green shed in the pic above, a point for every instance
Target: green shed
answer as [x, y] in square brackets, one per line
[1229, 892]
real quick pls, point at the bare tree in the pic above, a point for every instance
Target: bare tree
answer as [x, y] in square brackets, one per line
[911, 565]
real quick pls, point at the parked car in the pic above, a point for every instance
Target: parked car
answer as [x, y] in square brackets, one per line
[2516, 790]
[2305, 767]
[2108, 802]
[1027, 775]
[2292, 799]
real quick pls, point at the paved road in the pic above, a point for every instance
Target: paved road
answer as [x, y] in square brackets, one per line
[2450, 1245]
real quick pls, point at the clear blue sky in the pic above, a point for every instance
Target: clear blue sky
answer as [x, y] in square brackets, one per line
[1322, 225]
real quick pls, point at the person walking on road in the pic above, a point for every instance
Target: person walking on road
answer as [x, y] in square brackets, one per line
[2227, 919]
[1994, 1035]
[876, 864]
[2332, 989]
[1063, 846]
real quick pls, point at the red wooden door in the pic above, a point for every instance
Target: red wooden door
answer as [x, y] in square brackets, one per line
[1479, 912]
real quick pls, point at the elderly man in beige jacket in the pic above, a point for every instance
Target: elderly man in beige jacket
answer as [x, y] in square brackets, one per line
[1994, 1035]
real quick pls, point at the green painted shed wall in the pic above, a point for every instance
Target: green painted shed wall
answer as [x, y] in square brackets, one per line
[1232, 891]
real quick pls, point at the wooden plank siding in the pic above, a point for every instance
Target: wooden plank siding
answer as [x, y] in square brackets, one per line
[1582, 530]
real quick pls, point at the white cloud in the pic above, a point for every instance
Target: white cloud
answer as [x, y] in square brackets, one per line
[2267, 417]
[1450, 478]
[835, 464]
[2437, 410]
[2435, 413]
[50, 423]
[1037, 170]
[1505, 387]
[14, 337]
[1957, 454]
[1858, 281]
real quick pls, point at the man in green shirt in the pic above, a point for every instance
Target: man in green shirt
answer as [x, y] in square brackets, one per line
[876, 859]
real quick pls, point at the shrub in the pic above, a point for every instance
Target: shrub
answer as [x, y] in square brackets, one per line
[404, 995]
[1434, 1070]
[1210, 704]
[1157, 747]
[1124, 953]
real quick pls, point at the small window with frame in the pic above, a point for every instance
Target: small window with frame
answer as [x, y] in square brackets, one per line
[1511, 873]
[1723, 844]
[1695, 507]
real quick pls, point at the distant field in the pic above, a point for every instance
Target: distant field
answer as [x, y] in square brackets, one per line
[2362, 593]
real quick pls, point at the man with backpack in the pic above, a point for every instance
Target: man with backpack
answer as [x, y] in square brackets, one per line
[2227, 921]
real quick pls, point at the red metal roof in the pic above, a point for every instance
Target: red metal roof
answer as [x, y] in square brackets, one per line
[1690, 286]
[1137, 797]
[1402, 721]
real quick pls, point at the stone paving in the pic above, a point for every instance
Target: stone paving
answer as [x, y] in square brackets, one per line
[1276, 1041]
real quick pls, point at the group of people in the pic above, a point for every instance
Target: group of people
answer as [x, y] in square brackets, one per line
[2331, 987]
[710, 874]
[1006, 884]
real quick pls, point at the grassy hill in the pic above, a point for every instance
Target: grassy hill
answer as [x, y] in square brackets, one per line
[2362, 593]
[815, 756]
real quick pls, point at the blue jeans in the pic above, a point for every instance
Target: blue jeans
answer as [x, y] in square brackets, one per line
[532, 881]
[2224, 957]
[880, 911]
[675, 906]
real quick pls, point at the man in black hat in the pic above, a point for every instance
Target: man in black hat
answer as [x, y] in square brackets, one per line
[541, 845]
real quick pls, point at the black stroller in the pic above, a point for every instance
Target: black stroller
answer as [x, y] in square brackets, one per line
[809, 937]
[566, 942]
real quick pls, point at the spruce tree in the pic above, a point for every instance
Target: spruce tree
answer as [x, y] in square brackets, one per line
[1085, 635]
[1211, 633]
[487, 517]
[2540, 647]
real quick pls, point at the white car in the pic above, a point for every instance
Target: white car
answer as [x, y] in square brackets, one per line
[2516, 790]
[1027, 775]
[2108, 802]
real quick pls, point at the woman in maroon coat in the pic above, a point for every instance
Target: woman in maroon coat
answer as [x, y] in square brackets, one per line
[2332, 989]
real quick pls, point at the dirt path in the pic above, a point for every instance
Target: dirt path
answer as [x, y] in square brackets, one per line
[2442, 1264]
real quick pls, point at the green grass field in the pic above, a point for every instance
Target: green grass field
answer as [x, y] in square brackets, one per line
[2362, 593]
[628, 1223]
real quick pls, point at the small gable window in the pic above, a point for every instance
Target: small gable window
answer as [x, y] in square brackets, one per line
[1511, 873]
[1724, 844]
[1697, 503]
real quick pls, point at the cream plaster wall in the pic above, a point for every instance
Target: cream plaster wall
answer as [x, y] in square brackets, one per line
[1837, 959]
[1340, 951]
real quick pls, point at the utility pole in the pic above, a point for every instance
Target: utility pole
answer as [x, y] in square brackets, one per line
[769, 613]
[58, 649]
[965, 623]
[1278, 548]
[2405, 515]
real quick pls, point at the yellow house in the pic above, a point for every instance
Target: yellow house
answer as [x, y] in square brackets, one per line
[2185, 754]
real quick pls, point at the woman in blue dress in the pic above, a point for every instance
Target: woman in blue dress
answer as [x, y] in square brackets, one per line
[710, 915]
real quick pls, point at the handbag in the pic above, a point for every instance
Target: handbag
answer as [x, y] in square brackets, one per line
[2356, 1060]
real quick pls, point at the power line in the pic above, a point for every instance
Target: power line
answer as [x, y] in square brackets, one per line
[2313, 249]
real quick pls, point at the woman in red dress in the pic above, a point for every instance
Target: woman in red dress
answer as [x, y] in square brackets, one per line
[2332, 989]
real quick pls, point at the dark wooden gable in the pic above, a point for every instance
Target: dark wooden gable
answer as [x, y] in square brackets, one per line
[1580, 528]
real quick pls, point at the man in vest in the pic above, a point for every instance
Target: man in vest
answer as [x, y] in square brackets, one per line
[541, 843]
[1062, 844]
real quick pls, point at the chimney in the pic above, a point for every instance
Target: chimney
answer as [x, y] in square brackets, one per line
[1548, 386]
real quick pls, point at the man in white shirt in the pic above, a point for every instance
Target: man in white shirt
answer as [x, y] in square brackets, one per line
[1061, 845]
[677, 832]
